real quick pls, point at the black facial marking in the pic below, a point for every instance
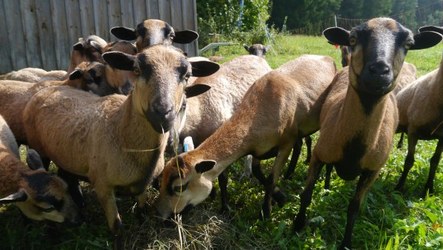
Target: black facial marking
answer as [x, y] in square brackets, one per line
[145, 69]
[40, 182]
[140, 30]
[349, 167]
[167, 30]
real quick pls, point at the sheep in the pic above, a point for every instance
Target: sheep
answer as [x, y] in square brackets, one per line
[15, 94]
[359, 117]
[117, 141]
[33, 75]
[257, 49]
[420, 117]
[39, 195]
[275, 111]
[153, 31]
[85, 50]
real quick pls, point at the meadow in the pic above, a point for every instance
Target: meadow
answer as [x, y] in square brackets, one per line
[387, 220]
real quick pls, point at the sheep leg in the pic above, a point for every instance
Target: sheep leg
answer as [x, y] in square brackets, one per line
[74, 188]
[272, 179]
[365, 181]
[305, 198]
[106, 197]
[223, 184]
[434, 164]
[409, 161]
[141, 205]
[277, 195]
[308, 141]
[400, 142]
[294, 159]
[328, 175]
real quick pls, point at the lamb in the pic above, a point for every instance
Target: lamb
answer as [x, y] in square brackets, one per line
[419, 106]
[359, 117]
[39, 195]
[153, 31]
[275, 111]
[117, 141]
[257, 49]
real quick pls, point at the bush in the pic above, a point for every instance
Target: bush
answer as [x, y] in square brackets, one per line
[228, 21]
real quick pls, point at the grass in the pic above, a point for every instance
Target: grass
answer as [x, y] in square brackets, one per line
[388, 220]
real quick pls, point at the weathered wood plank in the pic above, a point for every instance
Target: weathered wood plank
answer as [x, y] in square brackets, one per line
[46, 34]
[73, 21]
[114, 14]
[101, 19]
[61, 37]
[14, 31]
[126, 11]
[30, 32]
[139, 10]
[153, 11]
[5, 52]
[87, 18]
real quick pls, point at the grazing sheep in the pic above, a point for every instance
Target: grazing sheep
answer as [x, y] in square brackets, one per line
[359, 117]
[117, 142]
[153, 31]
[39, 195]
[275, 111]
[257, 49]
[419, 106]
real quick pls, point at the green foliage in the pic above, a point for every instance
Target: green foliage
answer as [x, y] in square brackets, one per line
[228, 21]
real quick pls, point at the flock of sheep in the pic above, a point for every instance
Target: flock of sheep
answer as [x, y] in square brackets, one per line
[120, 107]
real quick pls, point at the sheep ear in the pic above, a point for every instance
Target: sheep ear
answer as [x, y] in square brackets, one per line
[204, 68]
[76, 74]
[185, 36]
[196, 89]
[119, 60]
[246, 47]
[78, 46]
[15, 197]
[123, 33]
[204, 166]
[431, 28]
[337, 35]
[33, 159]
[426, 39]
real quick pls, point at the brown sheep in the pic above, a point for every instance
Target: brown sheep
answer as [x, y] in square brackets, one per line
[153, 31]
[420, 115]
[257, 49]
[39, 195]
[117, 141]
[359, 117]
[275, 111]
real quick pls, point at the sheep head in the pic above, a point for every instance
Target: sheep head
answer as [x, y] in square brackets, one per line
[153, 31]
[161, 75]
[183, 184]
[378, 49]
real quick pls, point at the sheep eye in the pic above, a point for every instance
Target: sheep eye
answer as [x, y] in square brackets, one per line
[352, 41]
[137, 71]
[409, 44]
[180, 189]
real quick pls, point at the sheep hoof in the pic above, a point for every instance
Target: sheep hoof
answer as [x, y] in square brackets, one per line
[225, 209]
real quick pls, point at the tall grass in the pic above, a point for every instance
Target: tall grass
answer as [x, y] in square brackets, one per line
[388, 219]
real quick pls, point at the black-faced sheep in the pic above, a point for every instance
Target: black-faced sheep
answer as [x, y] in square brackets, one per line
[419, 106]
[257, 49]
[117, 141]
[274, 112]
[153, 31]
[359, 117]
[39, 195]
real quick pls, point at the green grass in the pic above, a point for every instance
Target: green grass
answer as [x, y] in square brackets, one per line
[388, 220]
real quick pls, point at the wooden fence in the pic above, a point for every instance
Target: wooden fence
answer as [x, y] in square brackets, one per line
[40, 33]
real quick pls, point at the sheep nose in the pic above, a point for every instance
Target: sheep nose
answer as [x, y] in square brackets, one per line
[379, 68]
[163, 111]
